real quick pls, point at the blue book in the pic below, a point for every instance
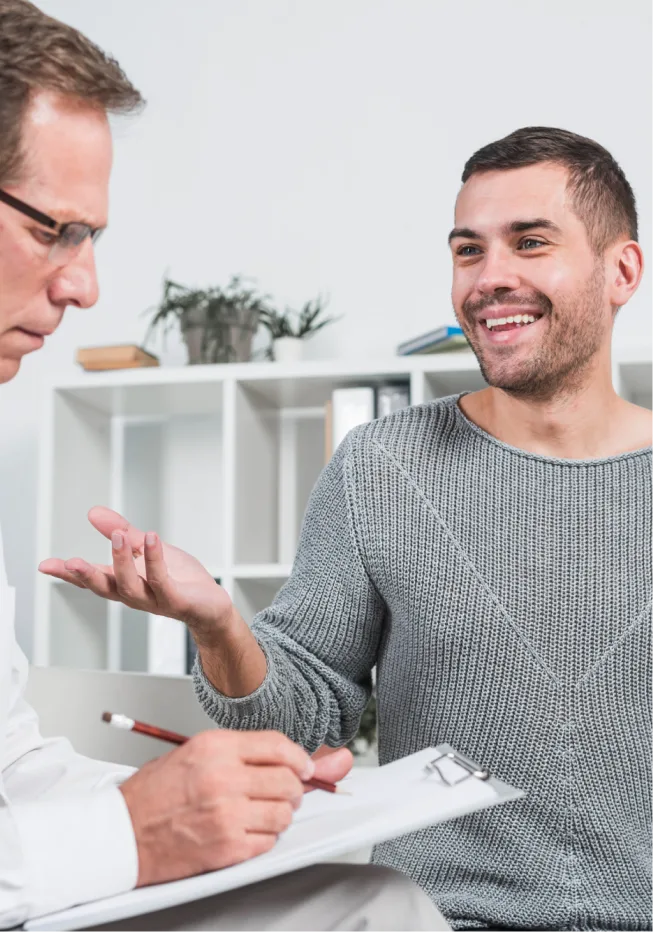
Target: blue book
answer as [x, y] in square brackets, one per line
[435, 341]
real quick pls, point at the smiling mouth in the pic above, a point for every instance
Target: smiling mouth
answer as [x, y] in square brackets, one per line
[512, 322]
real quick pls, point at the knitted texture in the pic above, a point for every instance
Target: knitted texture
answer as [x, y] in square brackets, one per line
[505, 599]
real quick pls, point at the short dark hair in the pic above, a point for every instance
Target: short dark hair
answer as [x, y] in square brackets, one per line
[39, 53]
[600, 193]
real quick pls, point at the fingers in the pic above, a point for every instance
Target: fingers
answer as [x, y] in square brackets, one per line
[271, 747]
[130, 587]
[334, 766]
[273, 783]
[120, 582]
[250, 747]
[107, 521]
[156, 570]
[56, 568]
[268, 817]
[218, 780]
[99, 580]
[258, 844]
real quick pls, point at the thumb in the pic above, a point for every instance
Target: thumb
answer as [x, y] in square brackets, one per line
[334, 766]
[107, 521]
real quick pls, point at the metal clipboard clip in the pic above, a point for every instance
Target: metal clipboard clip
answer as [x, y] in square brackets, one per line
[437, 767]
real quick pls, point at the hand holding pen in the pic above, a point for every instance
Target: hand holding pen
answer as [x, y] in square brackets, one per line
[219, 798]
[173, 737]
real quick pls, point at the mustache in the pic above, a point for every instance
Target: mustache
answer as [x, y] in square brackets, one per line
[534, 299]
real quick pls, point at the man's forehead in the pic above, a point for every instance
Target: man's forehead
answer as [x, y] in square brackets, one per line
[490, 200]
[68, 156]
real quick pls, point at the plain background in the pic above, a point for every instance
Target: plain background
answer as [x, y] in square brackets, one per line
[317, 146]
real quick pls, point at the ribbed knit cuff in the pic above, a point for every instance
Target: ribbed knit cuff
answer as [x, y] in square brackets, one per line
[252, 711]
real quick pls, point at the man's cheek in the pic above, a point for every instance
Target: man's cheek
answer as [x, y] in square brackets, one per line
[23, 275]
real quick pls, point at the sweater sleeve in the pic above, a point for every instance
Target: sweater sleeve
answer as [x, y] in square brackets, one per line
[321, 634]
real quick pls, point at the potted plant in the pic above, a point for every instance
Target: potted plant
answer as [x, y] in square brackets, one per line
[217, 324]
[288, 329]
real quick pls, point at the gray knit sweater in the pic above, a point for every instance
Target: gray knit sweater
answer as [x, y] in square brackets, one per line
[504, 597]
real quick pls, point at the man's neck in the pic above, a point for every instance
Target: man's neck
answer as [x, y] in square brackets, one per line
[590, 422]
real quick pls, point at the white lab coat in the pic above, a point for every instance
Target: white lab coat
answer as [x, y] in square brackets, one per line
[65, 832]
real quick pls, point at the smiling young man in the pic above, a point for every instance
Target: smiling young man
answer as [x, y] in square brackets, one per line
[490, 554]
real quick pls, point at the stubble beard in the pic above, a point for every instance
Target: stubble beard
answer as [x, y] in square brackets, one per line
[573, 337]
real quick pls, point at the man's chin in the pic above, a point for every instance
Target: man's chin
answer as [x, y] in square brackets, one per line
[510, 376]
[8, 368]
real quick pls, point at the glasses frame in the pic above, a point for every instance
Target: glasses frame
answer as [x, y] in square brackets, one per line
[60, 229]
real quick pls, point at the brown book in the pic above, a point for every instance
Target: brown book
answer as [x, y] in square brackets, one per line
[100, 358]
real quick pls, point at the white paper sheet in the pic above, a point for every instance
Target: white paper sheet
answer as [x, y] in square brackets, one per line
[385, 802]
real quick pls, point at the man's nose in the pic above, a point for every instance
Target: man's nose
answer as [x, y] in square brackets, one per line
[498, 272]
[76, 282]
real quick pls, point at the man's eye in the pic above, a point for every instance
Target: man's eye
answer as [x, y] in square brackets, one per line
[531, 243]
[45, 238]
[466, 251]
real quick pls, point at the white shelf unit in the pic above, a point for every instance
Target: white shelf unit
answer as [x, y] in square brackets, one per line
[220, 461]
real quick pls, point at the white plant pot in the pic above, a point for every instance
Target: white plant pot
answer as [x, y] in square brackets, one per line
[288, 349]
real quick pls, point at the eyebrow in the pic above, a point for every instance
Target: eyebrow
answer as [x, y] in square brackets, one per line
[71, 214]
[79, 219]
[516, 226]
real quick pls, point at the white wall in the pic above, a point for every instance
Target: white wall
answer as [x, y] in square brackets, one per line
[317, 146]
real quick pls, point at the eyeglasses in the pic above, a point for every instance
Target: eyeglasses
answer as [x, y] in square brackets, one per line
[70, 236]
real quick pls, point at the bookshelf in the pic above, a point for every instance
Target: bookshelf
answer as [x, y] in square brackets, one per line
[220, 460]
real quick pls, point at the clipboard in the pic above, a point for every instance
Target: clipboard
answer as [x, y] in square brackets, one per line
[434, 785]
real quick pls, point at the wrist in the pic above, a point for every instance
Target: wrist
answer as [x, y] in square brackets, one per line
[232, 660]
[213, 633]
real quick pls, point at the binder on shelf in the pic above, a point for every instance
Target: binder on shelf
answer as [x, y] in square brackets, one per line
[440, 340]
[350, 407]
[391, 398]
[166, 646]
[426, 788]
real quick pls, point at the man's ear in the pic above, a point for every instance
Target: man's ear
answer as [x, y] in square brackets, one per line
[624, 268]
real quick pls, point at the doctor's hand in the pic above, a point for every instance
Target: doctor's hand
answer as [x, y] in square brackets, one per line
[220, 798]
[150, 576]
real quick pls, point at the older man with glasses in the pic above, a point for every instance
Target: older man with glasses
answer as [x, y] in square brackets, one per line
[73, 829]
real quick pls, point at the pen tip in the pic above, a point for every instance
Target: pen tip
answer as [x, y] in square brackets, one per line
[106, 716]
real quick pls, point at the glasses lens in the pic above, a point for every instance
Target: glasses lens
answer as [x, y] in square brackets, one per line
[70, 241]
[74, 234]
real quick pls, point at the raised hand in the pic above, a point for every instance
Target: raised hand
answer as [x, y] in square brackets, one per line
[148, 575]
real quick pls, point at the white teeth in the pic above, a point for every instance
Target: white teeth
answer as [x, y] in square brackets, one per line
[520, 319]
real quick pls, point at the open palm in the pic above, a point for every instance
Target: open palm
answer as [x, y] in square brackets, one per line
[155, 577]
[147, 575]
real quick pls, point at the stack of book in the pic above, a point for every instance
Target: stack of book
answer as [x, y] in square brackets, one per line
[442, 340]
[349, 407]
[101, 358]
